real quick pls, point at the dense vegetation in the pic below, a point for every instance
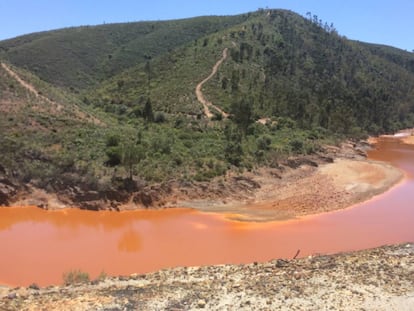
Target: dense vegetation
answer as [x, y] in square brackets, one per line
[130, 109]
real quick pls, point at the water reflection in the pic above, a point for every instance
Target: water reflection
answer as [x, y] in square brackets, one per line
[129, 242]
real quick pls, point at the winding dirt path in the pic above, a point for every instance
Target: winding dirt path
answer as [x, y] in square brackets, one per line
[200, 96]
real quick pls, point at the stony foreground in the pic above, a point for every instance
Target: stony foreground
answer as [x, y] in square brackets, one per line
[377, 279]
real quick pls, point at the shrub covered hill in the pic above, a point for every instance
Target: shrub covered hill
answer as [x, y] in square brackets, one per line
[101, 113]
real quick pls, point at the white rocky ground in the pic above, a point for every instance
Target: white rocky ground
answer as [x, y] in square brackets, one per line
[377, 279]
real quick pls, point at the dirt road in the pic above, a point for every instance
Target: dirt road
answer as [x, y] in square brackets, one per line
[200, 96]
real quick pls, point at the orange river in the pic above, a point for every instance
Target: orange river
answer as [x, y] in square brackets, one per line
[38, 246]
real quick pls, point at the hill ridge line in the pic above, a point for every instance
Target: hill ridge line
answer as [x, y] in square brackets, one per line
[200, 96]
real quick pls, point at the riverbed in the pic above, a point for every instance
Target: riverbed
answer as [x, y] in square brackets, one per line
[38, 246]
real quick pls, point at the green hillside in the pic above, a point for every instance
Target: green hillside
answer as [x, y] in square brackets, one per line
[286, 66]
[79, 57]
[115, 107]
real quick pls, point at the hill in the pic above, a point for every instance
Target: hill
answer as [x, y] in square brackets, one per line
[79, 57]
[124, 112]
[284, 66]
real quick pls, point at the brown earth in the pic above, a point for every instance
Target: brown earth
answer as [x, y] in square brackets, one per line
[376, 279]
[304, 186]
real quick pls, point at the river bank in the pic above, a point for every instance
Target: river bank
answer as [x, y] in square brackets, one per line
[145, 241]
[374, 279]
[313, 185]
[336, 178]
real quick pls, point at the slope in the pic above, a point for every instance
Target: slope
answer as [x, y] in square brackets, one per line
[41, 128]
[282, 65]
[79, 57]
[137, 125]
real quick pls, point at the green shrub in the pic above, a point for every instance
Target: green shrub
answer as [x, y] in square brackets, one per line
[75, 277]
[114, 156]
[264, 142]
[112, 140]
[296, 145]
[160, 117]
[102, 276]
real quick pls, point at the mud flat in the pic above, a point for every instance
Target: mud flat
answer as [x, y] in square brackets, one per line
[375, 279]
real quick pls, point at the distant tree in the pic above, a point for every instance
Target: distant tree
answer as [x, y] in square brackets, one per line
[147, 113]
[120, 83]
[233, 151]
[242, 114]
[235, 79]
[113, 151]
[224, 83]
[112, 140]
[131, 156]
[148, 71]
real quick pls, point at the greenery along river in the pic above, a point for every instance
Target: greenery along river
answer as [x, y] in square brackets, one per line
[38, 246]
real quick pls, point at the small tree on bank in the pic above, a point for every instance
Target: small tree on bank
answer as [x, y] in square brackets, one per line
[132, 154]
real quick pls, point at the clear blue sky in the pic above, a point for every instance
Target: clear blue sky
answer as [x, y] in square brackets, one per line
[388, 22]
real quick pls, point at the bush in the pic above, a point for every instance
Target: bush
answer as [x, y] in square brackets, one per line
[296, 145]
[264, 142]
[114, 156]
[75, 277]
[102, 276]
[112, 140]
[217, 116]
[159, 117]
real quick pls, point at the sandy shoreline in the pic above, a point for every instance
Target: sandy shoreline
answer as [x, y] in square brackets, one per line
[308, 191]
[409, 140]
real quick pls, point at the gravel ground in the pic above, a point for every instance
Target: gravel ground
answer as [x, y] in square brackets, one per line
[376, 279]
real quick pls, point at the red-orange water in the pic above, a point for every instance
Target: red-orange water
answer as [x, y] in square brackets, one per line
[39, 246]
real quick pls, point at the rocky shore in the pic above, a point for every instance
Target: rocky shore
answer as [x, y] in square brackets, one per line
[375, 279]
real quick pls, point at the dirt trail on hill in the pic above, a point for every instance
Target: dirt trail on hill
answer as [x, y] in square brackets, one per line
[54, 105]
[30, 87]
[200, 97]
